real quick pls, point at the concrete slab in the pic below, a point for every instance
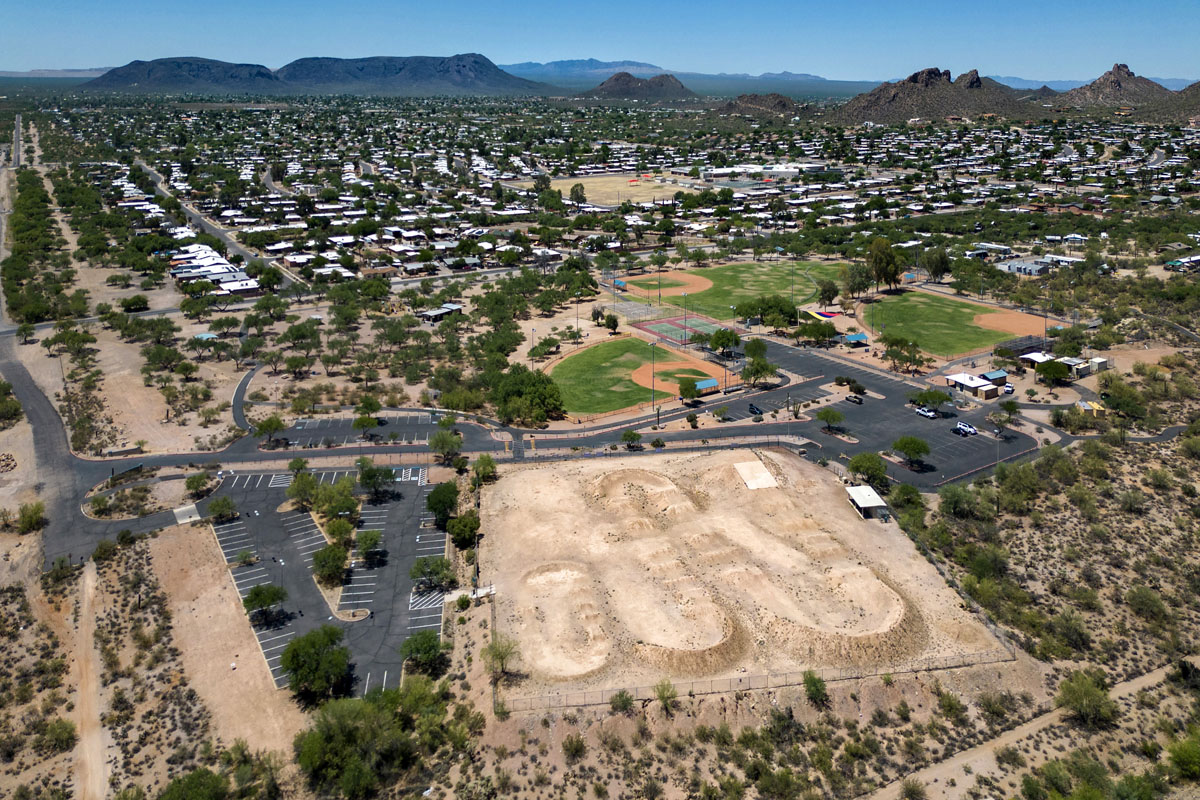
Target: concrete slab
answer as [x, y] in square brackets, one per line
[186, 514]
[755, 475]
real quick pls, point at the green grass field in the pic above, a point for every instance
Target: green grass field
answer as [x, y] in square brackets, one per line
[597, 380]
[733, 283]
[938, 325]
[653, 284]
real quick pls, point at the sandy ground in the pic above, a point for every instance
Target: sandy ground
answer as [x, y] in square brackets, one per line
[211, 631]
[18, 486]
[668, 564]
[1015, 322]
[692, 284]
[611, 190]
[91, 764]
[139, 412]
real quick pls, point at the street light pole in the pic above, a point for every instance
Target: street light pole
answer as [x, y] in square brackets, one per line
[578, 334]
[653, 400]
[685, 327]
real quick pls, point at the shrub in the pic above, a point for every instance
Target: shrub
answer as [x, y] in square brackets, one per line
[814, 689]
[621, 702]
[574, 747]
[1085, 696]
[1147, 604]
[31, 517]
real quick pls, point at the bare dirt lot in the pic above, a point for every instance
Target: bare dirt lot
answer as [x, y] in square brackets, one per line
[212, 633]
[620, 572]
[1015, 322]
[610, 190]
[674, 283]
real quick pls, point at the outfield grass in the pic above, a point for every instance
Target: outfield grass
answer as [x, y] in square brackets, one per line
[652, 284]
[939, 325]
[734, 283]
[597, 380]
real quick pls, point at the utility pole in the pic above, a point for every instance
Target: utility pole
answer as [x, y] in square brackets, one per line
[653, 401]
[687, 338]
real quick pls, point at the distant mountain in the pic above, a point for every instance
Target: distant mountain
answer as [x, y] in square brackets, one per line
[466, 74]
[83, 72]
[624, 86]
[762, 105]
[1174, 84]
[931, 95]
[201, 75]
[588, 70]
[1117, 87]
[789, 76]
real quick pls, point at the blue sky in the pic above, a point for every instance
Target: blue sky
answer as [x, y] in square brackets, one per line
[847, 39]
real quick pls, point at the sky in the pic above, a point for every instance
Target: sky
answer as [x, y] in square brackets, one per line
[841, 39]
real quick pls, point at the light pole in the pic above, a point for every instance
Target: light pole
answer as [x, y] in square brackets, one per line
[685, 327]
[578, 333]
[653, 400]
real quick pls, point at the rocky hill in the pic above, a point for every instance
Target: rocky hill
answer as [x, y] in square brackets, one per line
[1179, 107]
[412, 76]
[931, 95]
[201, 75]
[1117, 87]
[467, 74]
[760, 105]
[624, 86]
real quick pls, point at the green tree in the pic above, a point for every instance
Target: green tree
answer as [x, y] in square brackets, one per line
[368, 542]
[329, 564]
[484, 469]
[831, 417]
[442, 502]
[262, 597]
[25, 331]
[757, 370]
[667, 695]
[885, 267]
[425, 651]
[364, 425]
[378, 481]
[297, 465]
[317, 665]
[630, 438]
[436, 572]
[1053, 373]
[869, 467]
[463, 529]
[31, 516]
[578, 194]
[445, 443]
[912, 448]
[195, 483]
[269, 428]
[1084, 694]
[222, 509]
[935, 262]
[199, 784]
[814, 689]
[499, 654]
[827, 292]
[687, 389]
[723, 340]
[755, 348]
[303, 490]
[931, 398]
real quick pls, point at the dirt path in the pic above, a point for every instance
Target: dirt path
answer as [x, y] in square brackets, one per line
[982, 760]
[91, 767]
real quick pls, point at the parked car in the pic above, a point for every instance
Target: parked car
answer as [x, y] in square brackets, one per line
[928, 413]
[854, 398]
[965, 429]
[755, 410]
[1009, 388]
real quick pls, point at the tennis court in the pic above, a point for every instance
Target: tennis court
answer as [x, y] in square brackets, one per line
[679, 330]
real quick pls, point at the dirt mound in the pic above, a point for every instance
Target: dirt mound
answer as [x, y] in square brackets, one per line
[671, 565]
[642, 492]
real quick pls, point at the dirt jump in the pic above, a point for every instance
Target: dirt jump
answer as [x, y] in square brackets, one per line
[618, 572]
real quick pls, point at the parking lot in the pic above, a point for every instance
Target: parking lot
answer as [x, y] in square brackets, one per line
[282, 546]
